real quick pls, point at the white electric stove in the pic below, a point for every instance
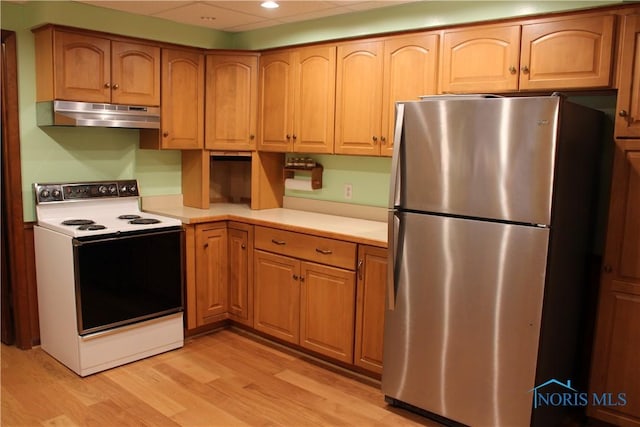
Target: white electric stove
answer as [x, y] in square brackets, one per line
[110, 277]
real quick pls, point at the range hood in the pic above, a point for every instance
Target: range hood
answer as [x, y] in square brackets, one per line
[88, 114]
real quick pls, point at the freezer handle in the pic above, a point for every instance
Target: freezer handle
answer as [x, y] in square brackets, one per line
[393, 230]
[394, 190]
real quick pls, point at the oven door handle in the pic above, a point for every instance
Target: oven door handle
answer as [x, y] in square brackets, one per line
[81, 241]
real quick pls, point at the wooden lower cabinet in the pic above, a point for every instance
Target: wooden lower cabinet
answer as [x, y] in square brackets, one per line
[211, 272]
[277, 296]
[240, 275]
[305, 303]
[616, 353]
[369, 330]
[327, 299]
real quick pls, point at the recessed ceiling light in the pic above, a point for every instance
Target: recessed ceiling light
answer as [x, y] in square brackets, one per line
[269, 5]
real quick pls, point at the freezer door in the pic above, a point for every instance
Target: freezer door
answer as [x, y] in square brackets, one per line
[487, 158]
[462, 338]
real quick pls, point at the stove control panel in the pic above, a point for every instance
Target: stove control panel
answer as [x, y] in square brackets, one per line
[47, 193]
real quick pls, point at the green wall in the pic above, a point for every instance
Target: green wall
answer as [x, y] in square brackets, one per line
[60, 154]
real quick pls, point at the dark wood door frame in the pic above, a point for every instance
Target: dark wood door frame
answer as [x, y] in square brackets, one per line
[12, 195]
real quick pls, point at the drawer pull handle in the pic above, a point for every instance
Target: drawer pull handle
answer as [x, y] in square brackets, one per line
[324, 251]
[278, 242]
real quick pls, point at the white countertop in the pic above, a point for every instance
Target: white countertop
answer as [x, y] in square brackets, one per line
[339, 227]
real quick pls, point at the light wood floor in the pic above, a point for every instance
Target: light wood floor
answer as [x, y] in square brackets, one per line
[220, 379]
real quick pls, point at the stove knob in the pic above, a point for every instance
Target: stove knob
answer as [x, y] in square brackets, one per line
[44, 194]
[102, 189]
[123, 189]
[56, 194]
[113, 189]
[132, 188]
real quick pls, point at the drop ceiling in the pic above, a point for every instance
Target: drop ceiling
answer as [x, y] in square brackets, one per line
[240, 15]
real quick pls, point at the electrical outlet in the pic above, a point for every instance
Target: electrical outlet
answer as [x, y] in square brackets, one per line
[348, 191]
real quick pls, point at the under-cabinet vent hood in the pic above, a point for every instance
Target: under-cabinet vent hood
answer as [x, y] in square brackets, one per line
[88, 114]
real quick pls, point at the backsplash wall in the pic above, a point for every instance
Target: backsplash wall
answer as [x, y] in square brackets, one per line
[368, 177]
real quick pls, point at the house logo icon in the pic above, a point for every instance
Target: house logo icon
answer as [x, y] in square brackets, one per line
[552, 381]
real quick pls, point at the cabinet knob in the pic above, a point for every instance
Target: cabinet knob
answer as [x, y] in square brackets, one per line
[295, 136]
[252, 137]
[607, 268]
[359, 268]
[165, 134]
[243, 246]
[324, 251]
[513, 70]
[206, 245]
[302, 278]
[107, 85]
[116, 86]
[525, 69]
[288, 136]
[278, 242]
[623, 113]
[295, 277]
[383, 140]
[375, 139]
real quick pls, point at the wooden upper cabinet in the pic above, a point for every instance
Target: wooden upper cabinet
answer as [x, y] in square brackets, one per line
[80, 67]
[314, 99]
[572, 53]
[371, 77]
[628, 114]
[484, 59]
[297, 98]
[409, 71]
[231, 101]
[182, 108]
[135, 74]
[275, 109]
[616, 351]
[359, 98]
[545, 55]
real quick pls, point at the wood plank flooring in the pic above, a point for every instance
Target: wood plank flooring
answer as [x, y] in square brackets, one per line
[219, 379]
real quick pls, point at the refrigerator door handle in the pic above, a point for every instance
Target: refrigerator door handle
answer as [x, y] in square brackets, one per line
[394, 191]
[393, 230]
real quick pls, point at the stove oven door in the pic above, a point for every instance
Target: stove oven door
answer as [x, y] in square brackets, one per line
[126, 278]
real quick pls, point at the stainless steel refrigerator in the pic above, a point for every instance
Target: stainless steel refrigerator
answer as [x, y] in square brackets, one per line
[490, 223]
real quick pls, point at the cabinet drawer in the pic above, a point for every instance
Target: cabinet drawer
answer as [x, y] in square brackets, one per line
[312, 248]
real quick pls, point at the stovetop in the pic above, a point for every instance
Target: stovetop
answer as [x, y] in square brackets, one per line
[95, 208]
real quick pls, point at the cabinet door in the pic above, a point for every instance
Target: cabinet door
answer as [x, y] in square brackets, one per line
[410, 71]
[277, 296]
[369, 331]
[275, 109]
[231, 101]
[574, 53]
[82, 67]
[327, 304]
[240, 273]
[628, 118]
[616, 353]
[480, 60]
[211, 273]
[135, 74]
[359, 98]
[314, 102]
[182, 121]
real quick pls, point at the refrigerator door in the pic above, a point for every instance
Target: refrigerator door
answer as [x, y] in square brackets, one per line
[486, 158]
[462, 339]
